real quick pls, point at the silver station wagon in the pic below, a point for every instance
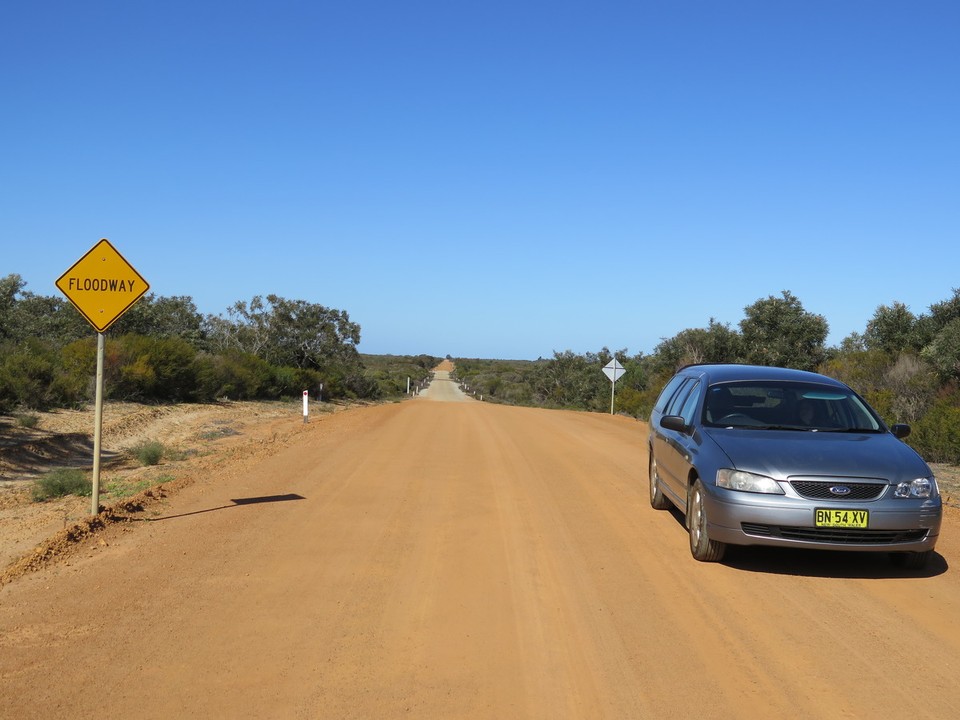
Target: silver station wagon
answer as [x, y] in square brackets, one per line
[770, 456]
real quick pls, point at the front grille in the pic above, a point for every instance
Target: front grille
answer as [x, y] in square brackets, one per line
[820, 490]
[840, 536]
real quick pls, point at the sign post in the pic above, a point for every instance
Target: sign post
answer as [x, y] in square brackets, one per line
[613, 370]
[102, 286]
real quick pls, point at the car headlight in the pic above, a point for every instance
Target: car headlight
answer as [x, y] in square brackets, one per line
[919, 488]
[747, 482]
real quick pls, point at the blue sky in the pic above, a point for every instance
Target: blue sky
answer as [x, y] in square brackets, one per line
[495, 179]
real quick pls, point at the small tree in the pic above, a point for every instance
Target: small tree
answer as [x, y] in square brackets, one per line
[912, 386]
[28, 371]
[163, 317]
[150, 368]
[941, 314]
[26, 316]
[943, 353]
[295, 334]
[891, 330]
[716, 343]
[10, 287]
[778, 331]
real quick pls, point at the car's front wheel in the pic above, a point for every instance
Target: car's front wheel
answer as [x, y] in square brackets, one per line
[657, 500]
[702, 547]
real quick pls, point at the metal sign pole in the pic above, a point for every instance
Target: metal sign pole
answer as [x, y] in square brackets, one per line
[102, 286]
[613, 370]
[97, 428]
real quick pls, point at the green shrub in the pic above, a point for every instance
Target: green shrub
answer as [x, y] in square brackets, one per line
[150, 452]
[936, 435]
[233, 375]
[60, 483]
[27, 371]
[385, 376]
[28, 420]
[137, 368]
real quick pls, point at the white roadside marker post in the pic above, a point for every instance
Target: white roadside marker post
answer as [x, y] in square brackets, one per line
[306, 405]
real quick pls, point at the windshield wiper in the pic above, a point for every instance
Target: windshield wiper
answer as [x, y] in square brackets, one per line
[800, 428]
[851, 430]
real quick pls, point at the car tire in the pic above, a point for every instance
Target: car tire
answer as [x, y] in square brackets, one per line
[911, 560]
[657, 499]
[702, 547]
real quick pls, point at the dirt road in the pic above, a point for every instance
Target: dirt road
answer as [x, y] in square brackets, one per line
[444, 389]
[459, 559]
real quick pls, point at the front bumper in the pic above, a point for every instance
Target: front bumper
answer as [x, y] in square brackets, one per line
[895, 525]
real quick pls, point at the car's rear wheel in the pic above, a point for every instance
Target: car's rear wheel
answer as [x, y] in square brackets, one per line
[702, 547]
[911, 560]
[657, 500]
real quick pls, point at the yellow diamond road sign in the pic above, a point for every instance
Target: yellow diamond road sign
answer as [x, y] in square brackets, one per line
[102, 285]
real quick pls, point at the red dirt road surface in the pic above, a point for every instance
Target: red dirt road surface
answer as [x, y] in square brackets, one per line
[465, 560]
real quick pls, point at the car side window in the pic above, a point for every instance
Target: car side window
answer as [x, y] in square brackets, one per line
[668, 392]
[676, 402]
[690, 404]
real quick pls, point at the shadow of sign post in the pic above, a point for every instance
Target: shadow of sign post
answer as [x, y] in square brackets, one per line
[236, 502]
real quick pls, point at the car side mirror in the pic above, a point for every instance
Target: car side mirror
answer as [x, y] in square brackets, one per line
[674, 422]
[900, 430]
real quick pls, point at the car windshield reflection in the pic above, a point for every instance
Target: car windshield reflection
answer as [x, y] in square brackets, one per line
[791, 406]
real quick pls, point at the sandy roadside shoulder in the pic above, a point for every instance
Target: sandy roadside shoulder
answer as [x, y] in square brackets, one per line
[199, 441]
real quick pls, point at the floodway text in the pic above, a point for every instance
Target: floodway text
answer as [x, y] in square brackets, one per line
[100, 284]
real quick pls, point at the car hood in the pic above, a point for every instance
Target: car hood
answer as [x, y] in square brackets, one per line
[783, 453]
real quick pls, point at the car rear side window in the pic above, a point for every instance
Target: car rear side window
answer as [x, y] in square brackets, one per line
[676, 402]
[668, 392]
[690, 404]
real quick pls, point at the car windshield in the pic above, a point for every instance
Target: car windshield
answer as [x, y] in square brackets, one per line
[777, 405]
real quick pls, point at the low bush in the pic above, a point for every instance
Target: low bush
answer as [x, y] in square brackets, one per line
[150, 452]
[60, 483]
[936, 435]
[28, 420]
[139, 367]
[27, 372]
[233, 375]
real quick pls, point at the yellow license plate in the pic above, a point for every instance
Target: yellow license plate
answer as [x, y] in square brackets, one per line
[833, 518]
